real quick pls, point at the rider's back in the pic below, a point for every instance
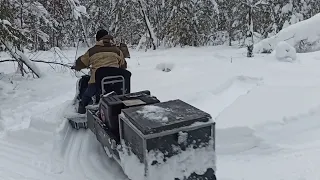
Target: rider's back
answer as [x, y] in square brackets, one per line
[103, 54]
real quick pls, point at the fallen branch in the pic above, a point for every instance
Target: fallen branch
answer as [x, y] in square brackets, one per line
[20, 57]
[8, 60]
[47, 62]
[40, 61]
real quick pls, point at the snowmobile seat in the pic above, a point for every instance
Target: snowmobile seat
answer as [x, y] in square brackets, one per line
[110, 79]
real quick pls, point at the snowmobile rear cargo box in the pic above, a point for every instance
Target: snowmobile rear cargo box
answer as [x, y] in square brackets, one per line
[169, 128]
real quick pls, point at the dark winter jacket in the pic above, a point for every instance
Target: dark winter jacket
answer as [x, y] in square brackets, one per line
[103, 54]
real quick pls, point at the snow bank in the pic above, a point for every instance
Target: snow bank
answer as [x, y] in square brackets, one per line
[285, 52]
[183, 164]
[304, 36]
[154, 113]
[179, 166]
[131, 165]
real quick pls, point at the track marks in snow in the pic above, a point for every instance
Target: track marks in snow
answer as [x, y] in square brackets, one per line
[231, 90]
[294, 141]
[23, 157]
[292, 134]
[49, 145]
[82, 154]
[298, 131]
[242, 83]
[83, 157]
[30, 106]
[237, 140]
[216, 100]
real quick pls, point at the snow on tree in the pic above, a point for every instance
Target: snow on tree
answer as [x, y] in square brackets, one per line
[190, 23]
[231, 19]
[10, 39]
[78, 12]
[38, 17]
[304, 36]
[168, 23]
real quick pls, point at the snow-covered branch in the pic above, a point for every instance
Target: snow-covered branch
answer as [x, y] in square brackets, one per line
[22, 58]
[38, 61]
[262, 2]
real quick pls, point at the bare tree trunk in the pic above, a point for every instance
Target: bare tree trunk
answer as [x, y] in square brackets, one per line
[53, 35]
[146, 20]
[84, 34]
[230, 37]
[250, 34]
[20, 64]
[20, 67]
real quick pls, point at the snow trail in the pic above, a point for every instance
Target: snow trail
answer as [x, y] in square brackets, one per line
[266, 112]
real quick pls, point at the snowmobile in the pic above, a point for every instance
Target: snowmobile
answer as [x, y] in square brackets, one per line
[149, 139]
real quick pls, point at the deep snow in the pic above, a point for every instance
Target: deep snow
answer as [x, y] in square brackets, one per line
[303, 35]
[267, 114]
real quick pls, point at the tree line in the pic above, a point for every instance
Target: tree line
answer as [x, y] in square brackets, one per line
[43, 24]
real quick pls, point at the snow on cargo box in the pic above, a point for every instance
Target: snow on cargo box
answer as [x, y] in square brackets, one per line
[170, 140]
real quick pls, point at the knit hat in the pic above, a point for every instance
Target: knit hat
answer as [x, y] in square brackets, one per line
[100, 34]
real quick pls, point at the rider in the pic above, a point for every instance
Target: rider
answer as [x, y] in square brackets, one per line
[104, 54]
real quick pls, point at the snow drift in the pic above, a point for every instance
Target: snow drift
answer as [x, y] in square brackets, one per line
[304, 36]
[285, 52]
[165, 67]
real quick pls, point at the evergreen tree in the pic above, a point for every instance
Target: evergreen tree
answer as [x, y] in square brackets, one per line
[61, 23]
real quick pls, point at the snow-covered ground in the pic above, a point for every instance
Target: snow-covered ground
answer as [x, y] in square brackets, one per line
[267, 114]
